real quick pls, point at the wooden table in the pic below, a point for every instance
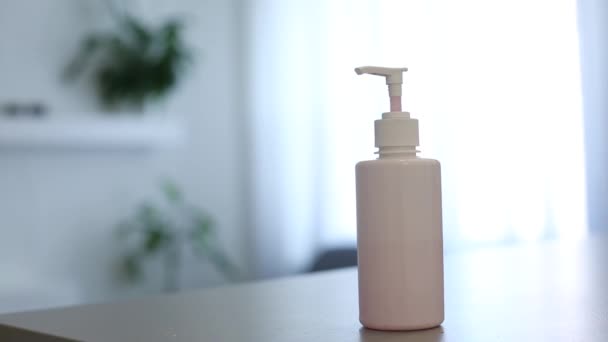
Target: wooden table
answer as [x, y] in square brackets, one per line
[546, 292]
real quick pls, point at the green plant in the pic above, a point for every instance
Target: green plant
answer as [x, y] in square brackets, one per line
[134, 64]
[155, 233]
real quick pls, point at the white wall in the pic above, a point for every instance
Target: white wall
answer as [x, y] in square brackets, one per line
[58, 209]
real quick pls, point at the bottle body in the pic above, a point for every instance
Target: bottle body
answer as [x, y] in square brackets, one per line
[400, 243]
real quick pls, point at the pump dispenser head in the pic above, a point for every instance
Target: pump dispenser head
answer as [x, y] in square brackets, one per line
[396, 131]
[394, 80]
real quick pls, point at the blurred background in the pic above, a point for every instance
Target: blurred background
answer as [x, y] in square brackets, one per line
[151, 147]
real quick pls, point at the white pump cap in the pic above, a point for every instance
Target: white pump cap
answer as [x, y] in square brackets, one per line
[394, 77]
[396, 128]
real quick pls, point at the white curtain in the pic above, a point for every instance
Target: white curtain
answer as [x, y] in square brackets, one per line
[494, 83]
[593, 26]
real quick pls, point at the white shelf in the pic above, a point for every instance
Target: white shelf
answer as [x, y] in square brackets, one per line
[94, 133]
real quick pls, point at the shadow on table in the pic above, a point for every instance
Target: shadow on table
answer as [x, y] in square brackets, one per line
[428, 335]
[333, 258]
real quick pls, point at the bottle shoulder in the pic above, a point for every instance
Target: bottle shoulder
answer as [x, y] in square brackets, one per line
[399, 161]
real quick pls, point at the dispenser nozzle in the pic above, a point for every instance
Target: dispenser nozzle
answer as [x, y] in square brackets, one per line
[394, 80]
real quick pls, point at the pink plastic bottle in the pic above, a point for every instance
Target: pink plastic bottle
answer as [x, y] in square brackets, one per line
[399, 224]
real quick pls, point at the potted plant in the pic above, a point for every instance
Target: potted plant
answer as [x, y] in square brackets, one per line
[158, 233]
[134, 64]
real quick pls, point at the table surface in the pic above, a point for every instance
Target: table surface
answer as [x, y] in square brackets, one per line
[536, 292]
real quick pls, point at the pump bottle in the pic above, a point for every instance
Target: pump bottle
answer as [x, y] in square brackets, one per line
[399, 224]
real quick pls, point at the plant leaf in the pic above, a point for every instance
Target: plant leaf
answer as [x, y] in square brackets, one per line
[138, 32]
[88, 47]
[222, 263]
[172, 191]
[155, 240]
[131, 268]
